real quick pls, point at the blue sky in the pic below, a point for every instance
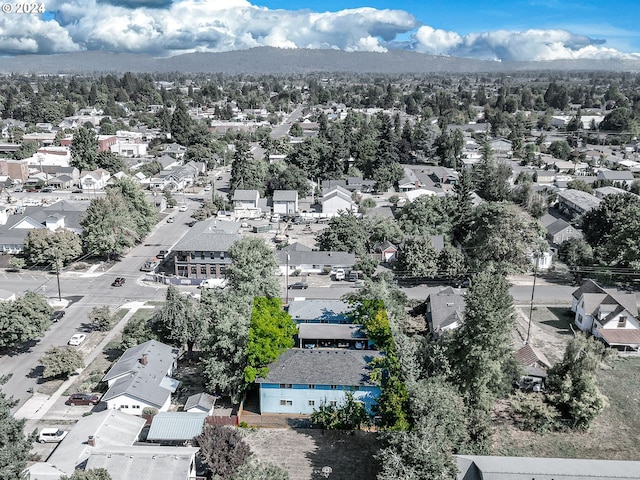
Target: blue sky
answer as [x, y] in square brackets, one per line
[499, 30]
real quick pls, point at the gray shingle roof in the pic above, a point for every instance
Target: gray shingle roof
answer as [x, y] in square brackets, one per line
[148, 462]
[322, 367]
[447, 307]
[202, 400]
[314, 257]
[210, 235]
[245, 195]
[285, 195]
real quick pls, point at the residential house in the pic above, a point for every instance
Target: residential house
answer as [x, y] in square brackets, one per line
[16, 222]
[618, 177]
[285, 202]
[609, 315]
[94, 180]
[146, 462]
[174, 150]
[129, 149]
[534, 365]
[175, 428]
[175, 179]
[141, 378]
[560, 231]
[331, 335]
[246, 203]
[301, 380]
[544, 177]
[336, 200]
[98, 431]
[319, 311]
[301, 259]
[203, 252]
[501, 147]
[388, 252]
[444, 311]
[576, 202]
[200, 402]
[603, 192]
[473, 467]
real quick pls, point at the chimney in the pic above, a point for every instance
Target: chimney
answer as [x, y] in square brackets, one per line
[143, 359]
[91, 441]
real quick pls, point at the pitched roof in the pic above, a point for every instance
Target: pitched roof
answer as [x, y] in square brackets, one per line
[285, 195]
[142, 379]
[620, 337]
[529, 356]
[210, 235]
[109, 428]
[557, 226]
[322, 367]
[245, 195]
[202, 400]
[588, 286]
[474, 467]
[447, 308]
[176, 426]
[148, 462]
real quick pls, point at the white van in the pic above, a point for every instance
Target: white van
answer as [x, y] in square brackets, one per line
[51, 435]
[213, 283]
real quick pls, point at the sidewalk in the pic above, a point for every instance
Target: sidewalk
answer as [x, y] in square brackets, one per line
[39, 404]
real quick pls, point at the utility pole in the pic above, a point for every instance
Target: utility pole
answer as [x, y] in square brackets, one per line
[287, 280]
[58, 274]
[533, 291]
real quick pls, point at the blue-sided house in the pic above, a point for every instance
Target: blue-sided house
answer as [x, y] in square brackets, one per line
[302, 379]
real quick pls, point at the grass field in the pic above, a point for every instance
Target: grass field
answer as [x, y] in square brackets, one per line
[614, 434]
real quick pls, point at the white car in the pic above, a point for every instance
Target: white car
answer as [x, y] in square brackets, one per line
[51, 435]
[183, 208]
[77, 339]
[207, 188]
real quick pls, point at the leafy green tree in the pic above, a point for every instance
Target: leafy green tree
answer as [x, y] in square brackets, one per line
[252, 270]
[560, 149]
[181, 124]
[366, 265]
[451, 262]
[480, 350]
[426, 215]
[90, 474]
[345, 233]
[296, 130]
[15, 446]
[418, 258]
[151, 168]
[61, 362]
[84, 149]
[17, 263]
[572, 382]
[619, 120]
[138, 330]
[26, 318]
[223, 450]
[101, 317]
[26, 150]
[575, 252]
[108, 226]
[502, 235]
[111, 162]
[350, 414]
[228, 316]
[578, 184]
[140, 209]
[44, 247]
[180, 321]
[270, 333]
[613, 230]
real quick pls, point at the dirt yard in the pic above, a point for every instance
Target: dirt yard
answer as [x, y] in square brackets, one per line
[303, 452]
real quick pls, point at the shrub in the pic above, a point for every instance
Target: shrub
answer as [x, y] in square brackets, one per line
[531, 412]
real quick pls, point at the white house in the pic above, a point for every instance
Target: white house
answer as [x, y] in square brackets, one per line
[337, 199]
[141, 378]
[246, 203]
[285, 202]
[607, 314]
[94, 180]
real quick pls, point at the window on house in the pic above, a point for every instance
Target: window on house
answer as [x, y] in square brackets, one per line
[203, 269]
[622, 322]
[312, 386]
[124, 406]
[135, 406]
[221, 255]
[312, 403]
[192, 255]
[334, 387]
[201, 255]
[286, 385]
[194, 269]
[286, 403]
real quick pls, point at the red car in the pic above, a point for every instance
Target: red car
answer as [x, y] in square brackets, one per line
[83, 399]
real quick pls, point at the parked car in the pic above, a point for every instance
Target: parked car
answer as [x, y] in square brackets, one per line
[77, 339]
[57, 315]
[77, 190]
[118, 282]
[148, 266]
[298, 286]
[51, 435]
[170, 220]
[83, 399]
[207, 188]
[47, 190]
[162, 254]
[275, 218]
[339, 274]
[183, 208]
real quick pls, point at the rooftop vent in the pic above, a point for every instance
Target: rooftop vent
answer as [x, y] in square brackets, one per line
[144, 359]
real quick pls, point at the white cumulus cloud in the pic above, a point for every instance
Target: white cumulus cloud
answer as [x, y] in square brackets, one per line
[505, 45]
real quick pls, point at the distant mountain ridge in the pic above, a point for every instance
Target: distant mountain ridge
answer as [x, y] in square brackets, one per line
[269, 60]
